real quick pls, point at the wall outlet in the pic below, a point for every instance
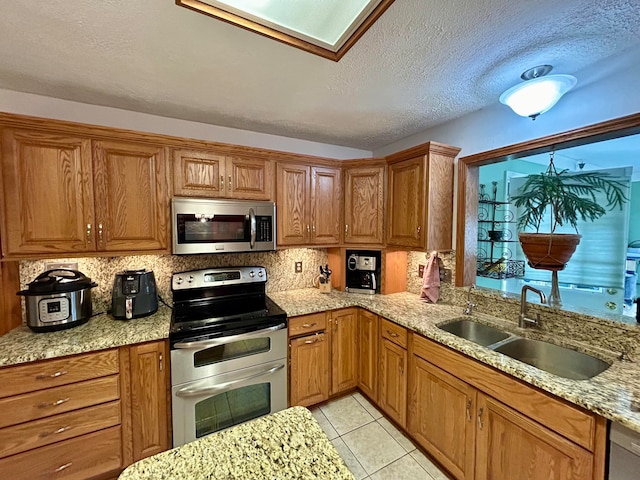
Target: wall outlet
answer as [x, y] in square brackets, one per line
[445, 275]
[298, 267]
[420, 270]
[57, 265]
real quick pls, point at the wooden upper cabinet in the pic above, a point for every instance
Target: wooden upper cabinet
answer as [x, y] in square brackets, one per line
[308, 200]
[420, 197]
[364, 205]
[292, 204]
[207, 174]
[198, 174]
[249, 178]
[131, 196]
[326, 188]
[48, 193]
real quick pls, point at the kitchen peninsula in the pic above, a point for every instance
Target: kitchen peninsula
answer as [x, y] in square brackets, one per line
[285, 445]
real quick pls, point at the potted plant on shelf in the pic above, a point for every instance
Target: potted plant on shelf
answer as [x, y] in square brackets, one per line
[563, 197]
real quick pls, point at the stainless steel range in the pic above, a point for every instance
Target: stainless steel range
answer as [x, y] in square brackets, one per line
[228, 351]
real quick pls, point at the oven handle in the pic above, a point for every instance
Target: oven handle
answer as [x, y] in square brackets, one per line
[252, 227]
[224, 340]
[223, 387]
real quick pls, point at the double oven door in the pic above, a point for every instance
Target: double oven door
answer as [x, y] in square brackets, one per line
[227, 381]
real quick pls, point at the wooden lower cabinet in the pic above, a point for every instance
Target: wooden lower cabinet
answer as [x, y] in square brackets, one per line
[509, 445]
[392, 396]
[309, 367]
[344, 350]
[149, 378]
[441, 416]
[368, 328]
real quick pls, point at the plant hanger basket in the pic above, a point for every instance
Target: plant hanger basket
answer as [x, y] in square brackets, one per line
[548, 251]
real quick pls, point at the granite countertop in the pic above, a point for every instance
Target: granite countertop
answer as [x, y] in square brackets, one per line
[285, 445]
[614, 394]
[21, 345]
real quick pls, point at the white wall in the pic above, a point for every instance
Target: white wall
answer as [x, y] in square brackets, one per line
[608, 90]
[48, 107]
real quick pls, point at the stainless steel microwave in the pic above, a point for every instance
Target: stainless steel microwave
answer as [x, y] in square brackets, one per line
[203, 225]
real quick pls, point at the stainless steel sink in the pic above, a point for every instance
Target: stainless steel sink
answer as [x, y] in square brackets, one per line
[554, 359]
[476, 332]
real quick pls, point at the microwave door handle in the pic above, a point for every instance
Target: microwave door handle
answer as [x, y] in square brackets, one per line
[373, 281]
[252, 227]
[221, 341]
[187, 392]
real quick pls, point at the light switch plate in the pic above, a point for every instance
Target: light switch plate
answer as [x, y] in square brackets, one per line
[298, 267]
[420, 270]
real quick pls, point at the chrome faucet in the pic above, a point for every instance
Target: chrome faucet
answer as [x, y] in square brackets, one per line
[470, 305]
[524, 320]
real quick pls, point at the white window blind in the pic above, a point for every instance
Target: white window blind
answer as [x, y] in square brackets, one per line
[600, 258]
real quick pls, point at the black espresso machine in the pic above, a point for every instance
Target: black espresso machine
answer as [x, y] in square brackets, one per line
[363, 271]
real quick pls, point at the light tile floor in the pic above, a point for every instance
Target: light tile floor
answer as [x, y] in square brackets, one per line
[370, 445]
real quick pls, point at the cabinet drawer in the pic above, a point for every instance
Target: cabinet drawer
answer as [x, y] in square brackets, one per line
[393, 332]
[52, 401]
[51, 373]
[307, 324]
[29, 435]
[572, 422]
[76, 459]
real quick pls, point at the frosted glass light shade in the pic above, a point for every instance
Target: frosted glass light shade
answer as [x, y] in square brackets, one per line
[536, 96]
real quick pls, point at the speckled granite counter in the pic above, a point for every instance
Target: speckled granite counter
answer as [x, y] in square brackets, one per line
[286, 445]
[614, 394]
[22, 345]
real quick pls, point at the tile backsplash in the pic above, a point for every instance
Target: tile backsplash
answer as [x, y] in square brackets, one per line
[414, 282]
[280, 266]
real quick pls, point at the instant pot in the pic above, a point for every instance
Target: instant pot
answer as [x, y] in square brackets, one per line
[58, 299]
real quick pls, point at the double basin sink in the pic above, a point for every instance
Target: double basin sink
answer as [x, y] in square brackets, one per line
[545, 356]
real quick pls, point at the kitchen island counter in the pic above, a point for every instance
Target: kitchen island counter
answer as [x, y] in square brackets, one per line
[285, 445]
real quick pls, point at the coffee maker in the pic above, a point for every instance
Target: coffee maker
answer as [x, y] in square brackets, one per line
[363, 271]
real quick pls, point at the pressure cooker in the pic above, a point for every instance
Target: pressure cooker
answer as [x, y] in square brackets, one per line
[58, 299]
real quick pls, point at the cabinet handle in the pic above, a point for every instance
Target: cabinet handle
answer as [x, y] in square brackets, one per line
[100, 232]
[346, 229]
[308, 228]
[392, 334]
[480, 412]
[309, 325]
[55, 432]
[44, 376]
[53, 404]
[419, 228]
[229, 181]
[160, 360]
[88, 233]
[221, 182]
[335, 325]
[468, 410]
[314, 340]
[63, 467]
[313, 229]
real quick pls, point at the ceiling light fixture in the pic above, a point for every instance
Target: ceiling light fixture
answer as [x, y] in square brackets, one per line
[538, 93]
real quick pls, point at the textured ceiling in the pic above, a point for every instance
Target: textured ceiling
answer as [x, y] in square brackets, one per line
[424, 62]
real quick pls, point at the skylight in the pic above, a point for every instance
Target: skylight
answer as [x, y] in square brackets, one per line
[327, 27]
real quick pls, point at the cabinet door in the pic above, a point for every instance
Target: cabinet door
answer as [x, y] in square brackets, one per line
[250, 179]
[326, 198]
[406, 203]
[510, 445]
[198, 173]
[309, 369]
[344, 350]
[441, 416]
[149, 378]
[132, 203]
[364, 205]
[292, 204]
[368, 358]
[393, 381]
[48, 194]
